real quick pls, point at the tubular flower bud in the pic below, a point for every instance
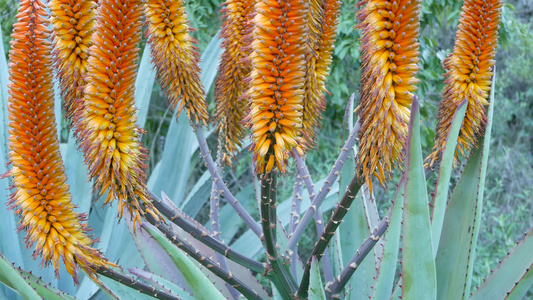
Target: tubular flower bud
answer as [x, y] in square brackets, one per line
[277, 79]
[469, 74]
[233, 70]
[41, 194]
[390, 53]
[323, 20]
[108, 134]
[176, 57]
[73, 25]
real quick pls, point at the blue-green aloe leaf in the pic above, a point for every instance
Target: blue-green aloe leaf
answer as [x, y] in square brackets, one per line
[513, 277]
[387, 271]
[445, 170]
[163, 283]
[200, 286]
[42, 288]
[316, 289]
[457, 246]
[144, 85]
[12, 278]
[418, 264]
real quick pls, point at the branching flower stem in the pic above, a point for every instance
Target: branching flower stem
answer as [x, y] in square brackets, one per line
[328, 233]
[135, 284]
[208, 240]
[295, 217]
[207, 262]
[333, 288]
[324, 190]
[206, 154]
[285, 283]
[303, 171]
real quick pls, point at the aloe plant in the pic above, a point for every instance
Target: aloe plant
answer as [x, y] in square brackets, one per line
[161, 250]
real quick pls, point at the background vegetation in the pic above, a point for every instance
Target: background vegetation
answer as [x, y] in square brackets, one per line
[509, 189]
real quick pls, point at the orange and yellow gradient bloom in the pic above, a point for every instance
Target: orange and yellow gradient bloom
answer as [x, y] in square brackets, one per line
[108, 134]
[73, 26]
[176, 57]
[234, 68]
[41, 195]
[277, 81]
[389, 47]
[469, 75]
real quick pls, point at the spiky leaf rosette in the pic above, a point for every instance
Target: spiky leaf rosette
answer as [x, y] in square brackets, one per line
[277, 80]
[108, 134]
[73, 25]
[389, 47]
[176, 57]
[41, 193]
[468, 76]
[323, 20]
[234, 68]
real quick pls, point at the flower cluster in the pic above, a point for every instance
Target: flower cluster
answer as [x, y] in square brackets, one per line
[108, 134]
[176, 57]
[73, 26]
[41, 193]
[389, 47]
[469, 75]
[277, 80]
[233, 70]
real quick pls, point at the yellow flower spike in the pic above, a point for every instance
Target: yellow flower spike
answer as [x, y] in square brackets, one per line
[278, 52]
[41, 195]
[323, 20]
[234, 68]
[389, 47]
[176, 57]
[469, 70]
[73, 25]
[110, 141]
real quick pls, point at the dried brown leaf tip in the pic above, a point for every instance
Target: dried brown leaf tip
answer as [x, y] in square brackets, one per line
[41, 195]
[277, 81]
[108, 134]
[234, 68]
[323, 19]
[389, 47]
[176, 57]
[469, 74]
[73, 25]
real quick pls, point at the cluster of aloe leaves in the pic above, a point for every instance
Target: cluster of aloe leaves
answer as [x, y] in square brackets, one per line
[431, 239]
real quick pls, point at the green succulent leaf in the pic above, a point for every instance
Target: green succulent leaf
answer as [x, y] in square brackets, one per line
[198, 283]
[513, 277]
[13, 279]
[418, 263]
[457, 246]
[316, 289]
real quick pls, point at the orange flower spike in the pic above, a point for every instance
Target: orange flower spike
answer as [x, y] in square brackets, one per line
[176, 57]
[468, 76]
[41, 194]
[107, 131]
[319, 60]
[390, 53]
[233, 70]
[73, 25]
[277, 79]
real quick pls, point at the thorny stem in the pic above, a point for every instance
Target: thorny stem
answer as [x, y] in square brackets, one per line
[284, 282]
[334, 288]
[135, 284]
[295, 216]
[336, 219]
[324, 190]
[303, 171]
[203, 260]
[204, 150]
[177, 218]
[215, 226]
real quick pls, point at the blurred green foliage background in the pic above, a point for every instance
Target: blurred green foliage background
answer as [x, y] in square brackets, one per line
[509, 189]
